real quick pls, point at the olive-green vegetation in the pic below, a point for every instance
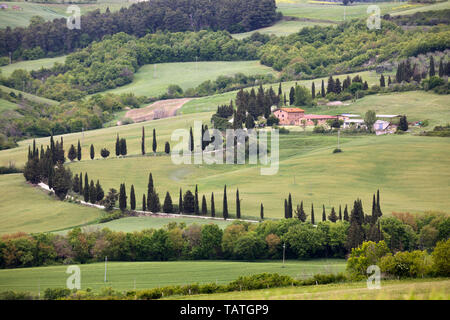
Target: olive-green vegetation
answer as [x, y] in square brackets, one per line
[123, 275]
[31, 65]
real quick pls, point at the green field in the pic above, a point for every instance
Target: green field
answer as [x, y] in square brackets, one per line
[340, 13]
[21, 18]
[29, 96]
[31, 65]
[131, 224]
[417, 289]
[6, 105]
[150, 83]
[282, 28]
[143, 275]
[27, 209]
[412, 172]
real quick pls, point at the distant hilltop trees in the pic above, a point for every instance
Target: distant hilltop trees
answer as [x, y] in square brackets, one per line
[43, 38]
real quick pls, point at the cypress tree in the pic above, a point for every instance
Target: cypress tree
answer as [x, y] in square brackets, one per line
[167, 147]
[51, 173]
[432, 70]
[291, 96]
[290, 206]
[355, 236]
[301, 215]
[92, 192]
[213, 207]
[322, 91]
[191, 140]
[180, 202]
[333, 217]
[374, 210]
[72, 153]
[382, 81]
[324, 216]
[144, 203]
[286, 214]
[132, 198]
[99, 191]
[204, 206]
[389, 81]
[261, 214]
[280, 91]
[122, 197]
[196, 206]
[441, 68]
[313, 90]
[117, 146]
[346, 217]
[330, 85]
[79, 151]
[340, 213]
[225, 203]
[379, 213]
[312, 214]
[284, 99]
[238, 205]
[80, 187]
[86, 188]
[76, 184]
[167, 206]
[188, 202]
[92, 152]
[123, 147]
[143, 141]
[154, 141]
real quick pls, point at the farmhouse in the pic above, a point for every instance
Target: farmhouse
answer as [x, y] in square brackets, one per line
[290, 116]
[317, 119]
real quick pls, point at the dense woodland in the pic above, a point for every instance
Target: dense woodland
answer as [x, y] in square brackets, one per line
[42, 38]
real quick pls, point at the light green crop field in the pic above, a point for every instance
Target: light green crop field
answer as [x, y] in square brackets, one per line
[29, 96]
[417, 289]
[125, 275]
[131, 224]
[282, 28]
[6, 105]
[412, 172]
[31, 65]
[21, 18]
[337, 12]
[27, 209]
[210, 103]
[152, 80]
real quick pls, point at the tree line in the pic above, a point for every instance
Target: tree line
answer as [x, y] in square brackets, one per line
[51, 38]
[238, 241]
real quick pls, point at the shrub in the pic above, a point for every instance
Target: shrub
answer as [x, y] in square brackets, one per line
[406, 264]
[283, 130]
[260, 281]
[337, 150]
[441, 258]
[12, 295]
[56, 293]
[368, 253]
[319, 129]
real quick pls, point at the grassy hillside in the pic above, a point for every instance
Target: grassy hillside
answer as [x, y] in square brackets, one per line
[21, 18]
[29, 96]
[411, 171]
[338, 13]
[126, 275]
[31, 65]
[153, 80]
[428, 289]
[131, 224]
[28, 209]
[6, 105]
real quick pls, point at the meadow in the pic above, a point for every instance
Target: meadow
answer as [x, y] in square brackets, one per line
[31, 65]
[411, 171]
[417, 289]
[153, 79]
[29, 96]
[21, 18]
[318, 10]
[143, 275]
[28, 209]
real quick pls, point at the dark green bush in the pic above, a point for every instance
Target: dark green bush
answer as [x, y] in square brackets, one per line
[56, 293]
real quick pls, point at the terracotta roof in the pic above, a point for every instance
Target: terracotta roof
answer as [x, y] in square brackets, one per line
[292, 109]
[319, 116]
